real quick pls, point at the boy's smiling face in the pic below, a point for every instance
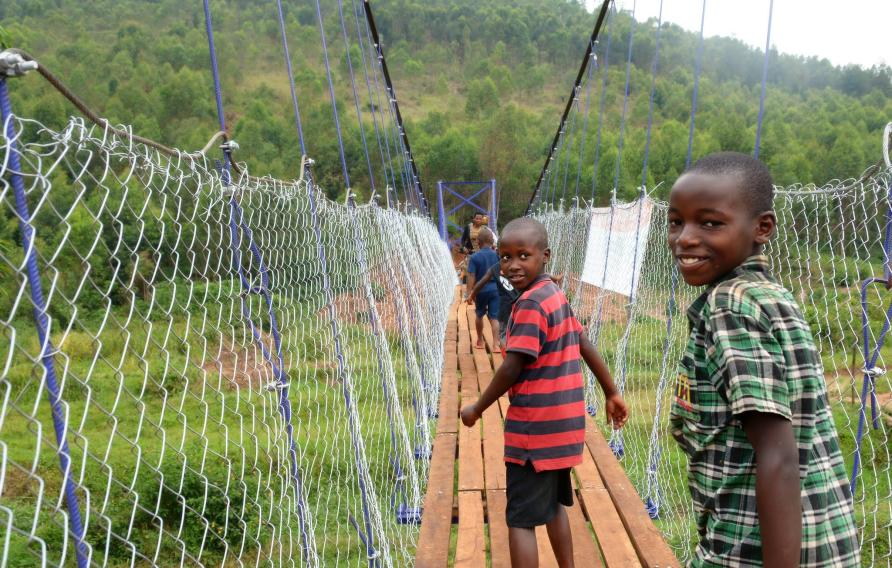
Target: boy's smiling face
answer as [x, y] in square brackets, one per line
[522, 257]
[712, 227]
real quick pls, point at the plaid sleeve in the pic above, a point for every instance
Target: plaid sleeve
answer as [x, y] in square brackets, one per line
[527, 328]
[746, 362]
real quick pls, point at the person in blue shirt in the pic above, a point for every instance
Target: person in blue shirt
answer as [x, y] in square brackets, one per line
[487, 298]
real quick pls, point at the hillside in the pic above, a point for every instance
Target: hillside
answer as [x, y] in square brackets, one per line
[481, 84]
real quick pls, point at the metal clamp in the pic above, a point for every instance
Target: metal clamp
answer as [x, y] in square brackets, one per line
[874, 371]
[13, 64]
[274, 386]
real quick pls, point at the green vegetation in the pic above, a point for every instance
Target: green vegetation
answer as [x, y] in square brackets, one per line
[481, 85]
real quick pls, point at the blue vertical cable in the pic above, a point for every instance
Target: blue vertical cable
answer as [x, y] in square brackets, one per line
[650, 108]
[764, 81]
[588, 95]
[375, 70]
[365, 68]
[331, 92]
[237, 225]
[69, 488]
[602, 100]
[626, 92]
[697, 67]
[342, 365]
[295, 106]
[365, 145]
[572, 138]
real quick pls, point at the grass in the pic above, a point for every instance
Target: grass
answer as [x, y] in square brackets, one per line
[159, 435]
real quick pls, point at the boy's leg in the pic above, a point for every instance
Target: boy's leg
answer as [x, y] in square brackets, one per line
[478, 323]
[494, 322]
[561, 538]
[522, 544]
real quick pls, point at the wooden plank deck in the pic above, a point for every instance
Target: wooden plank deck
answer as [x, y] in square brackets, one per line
[621, 535]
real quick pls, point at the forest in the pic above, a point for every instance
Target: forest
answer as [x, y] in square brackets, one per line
[481, 85]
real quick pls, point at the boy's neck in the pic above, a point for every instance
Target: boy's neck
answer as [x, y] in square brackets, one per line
[485, 247]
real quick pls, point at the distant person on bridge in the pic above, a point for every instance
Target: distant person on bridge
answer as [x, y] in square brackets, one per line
[545, 423]
[751, 412]
[487, 298]
[471, 233]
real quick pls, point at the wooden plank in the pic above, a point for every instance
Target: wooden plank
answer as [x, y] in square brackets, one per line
[464, 337]
[472, 325]
[483, 367]
[615, 543]
[499, 553]
[585, 551]
[646, 538]
[448, 420]
[470, 549]
[493, 448]
[469, 385]
[436, 522]
[470, 457]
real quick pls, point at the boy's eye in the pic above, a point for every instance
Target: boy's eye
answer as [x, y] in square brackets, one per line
[523, 256]
[674, 223]
[712, 224]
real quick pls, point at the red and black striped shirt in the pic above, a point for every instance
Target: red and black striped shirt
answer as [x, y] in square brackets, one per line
[546, 419]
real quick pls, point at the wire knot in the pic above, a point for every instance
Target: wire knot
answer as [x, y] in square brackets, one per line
[12, 64]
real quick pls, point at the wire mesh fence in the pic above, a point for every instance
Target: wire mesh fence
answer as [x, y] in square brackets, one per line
[234, 372]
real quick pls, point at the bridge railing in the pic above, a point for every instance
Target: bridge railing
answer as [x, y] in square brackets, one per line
[214, 371]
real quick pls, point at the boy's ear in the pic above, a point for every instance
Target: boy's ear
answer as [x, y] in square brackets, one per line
[766, 223]
[546, 254]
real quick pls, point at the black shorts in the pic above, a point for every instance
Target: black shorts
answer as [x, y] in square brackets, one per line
[533, 497]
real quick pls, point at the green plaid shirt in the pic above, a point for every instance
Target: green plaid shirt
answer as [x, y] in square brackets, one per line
[751, 349]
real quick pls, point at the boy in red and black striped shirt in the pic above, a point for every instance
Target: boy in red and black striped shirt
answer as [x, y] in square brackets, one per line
[545, 424]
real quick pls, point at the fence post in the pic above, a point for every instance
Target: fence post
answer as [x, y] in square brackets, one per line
[443, 234]
[41, 321]
[493, 207]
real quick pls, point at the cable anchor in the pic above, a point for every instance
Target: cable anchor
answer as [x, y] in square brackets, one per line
[12, 64]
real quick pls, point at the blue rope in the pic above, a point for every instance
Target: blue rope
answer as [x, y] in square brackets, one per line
[653, 83]
[237, 225]
[365, 68]
[296, 107]
[376, 67]
[870, 359]
[602, 99]
[573, 136]
[395, 461]
[697, 67]
[626, 91]
[365, 145]
[653, 487]
[764, 81]
[42, 322]
[588, 95]
[331, 93]
[869, 384]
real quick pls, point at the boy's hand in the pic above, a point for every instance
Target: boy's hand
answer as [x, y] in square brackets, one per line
[471, 300]
[617, 412]
[469, 415]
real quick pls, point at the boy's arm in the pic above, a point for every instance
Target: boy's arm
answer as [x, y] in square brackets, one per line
[479, 284]
[616, 410]
[777, 487]
[505, 376]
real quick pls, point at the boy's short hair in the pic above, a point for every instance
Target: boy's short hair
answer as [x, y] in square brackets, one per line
[755, 179]
[485, 236]
[530, 225]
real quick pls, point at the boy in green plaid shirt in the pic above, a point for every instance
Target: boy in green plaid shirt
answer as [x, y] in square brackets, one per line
[750, 411]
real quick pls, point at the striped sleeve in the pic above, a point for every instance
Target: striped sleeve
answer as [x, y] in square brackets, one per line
[527, 328]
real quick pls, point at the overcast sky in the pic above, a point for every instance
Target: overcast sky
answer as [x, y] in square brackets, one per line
[854, 31]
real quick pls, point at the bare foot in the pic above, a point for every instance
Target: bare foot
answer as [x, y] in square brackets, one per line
[479, 345]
